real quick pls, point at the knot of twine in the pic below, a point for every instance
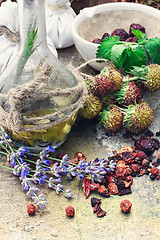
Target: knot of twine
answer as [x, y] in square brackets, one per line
[14, 120]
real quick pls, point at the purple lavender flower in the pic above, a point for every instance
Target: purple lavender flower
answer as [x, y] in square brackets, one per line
[32, 191]
[5, 139]
[112, 165]
[21, 170]
[56, 170]
[65, 161]
[39, 177]
[22, 151]
[26, 183]
[17, 170]
[49, 149]
[40, 201]
[42, 179]
[80, 176]
[12, 159]
[59, 188]
[82, 164]
[47, 162]
[69, 176]
[51, 183]
[17, 157]
[46, 151]
[68, 193]
[25, 169]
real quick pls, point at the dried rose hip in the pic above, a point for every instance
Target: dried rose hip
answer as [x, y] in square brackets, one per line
[145, 163]
[102, 189]
[120, 184]
[142, 172]
[121, 33]
[31, 209]
[125, 206]
[124, 191]
[95, 201]
[147, 144]
[89, 186]
[94, 186]
[113, 188]
[154, 171]
[70, 211]
[78, 156]
[132, 39]
[105, 35]
[128, 181]
[86, 185]
[137, 27]
[97, 40]
[96, 207]
[101, 213]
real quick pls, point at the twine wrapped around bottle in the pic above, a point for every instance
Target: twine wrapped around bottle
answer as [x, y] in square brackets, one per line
[14, 120]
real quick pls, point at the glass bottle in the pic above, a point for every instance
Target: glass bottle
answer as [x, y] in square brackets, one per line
[36, 117]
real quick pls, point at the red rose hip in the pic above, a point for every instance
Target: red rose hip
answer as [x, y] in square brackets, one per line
[125, 206]
[70, 212]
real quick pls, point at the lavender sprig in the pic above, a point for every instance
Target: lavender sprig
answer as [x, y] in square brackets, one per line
[44, 172]
[59, 187]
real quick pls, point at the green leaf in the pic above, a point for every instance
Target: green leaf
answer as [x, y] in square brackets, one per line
[121, 53]
[118, 56]
[139, 35]
[136, 57]
[152, 46]
[104, 49]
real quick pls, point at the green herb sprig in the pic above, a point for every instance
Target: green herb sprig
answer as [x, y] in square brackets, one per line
[28, 49]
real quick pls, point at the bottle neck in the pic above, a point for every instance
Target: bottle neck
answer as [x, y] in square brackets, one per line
[31, 13]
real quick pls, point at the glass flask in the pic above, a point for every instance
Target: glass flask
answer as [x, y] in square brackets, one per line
[37, 92]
